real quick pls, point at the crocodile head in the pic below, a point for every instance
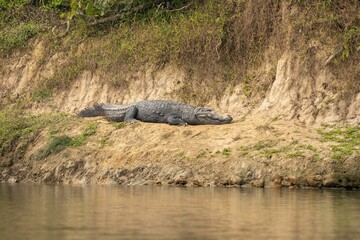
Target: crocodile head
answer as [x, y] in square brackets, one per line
[208, 116]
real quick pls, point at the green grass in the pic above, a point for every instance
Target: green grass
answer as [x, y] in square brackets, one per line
[80, 139]
[295, 154]
[16, 37]
[267, 148]
[103, 141]
[15, 125]
[18, 128]
[59, 143]
[308, 147]
[345, 140]
[8, 4]
[272, 151]
[244, 150]
[264, 144]
[42, 95]
[119, 125]
[56, 145]
[247, 85]
[226, 152]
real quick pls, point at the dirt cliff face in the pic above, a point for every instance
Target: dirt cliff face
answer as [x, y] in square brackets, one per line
[277, 138]
[301, 93]
[297, 91]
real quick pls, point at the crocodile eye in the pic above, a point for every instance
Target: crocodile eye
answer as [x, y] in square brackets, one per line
[203, 110]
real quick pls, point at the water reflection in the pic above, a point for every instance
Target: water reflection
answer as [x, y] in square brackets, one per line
[113, 212]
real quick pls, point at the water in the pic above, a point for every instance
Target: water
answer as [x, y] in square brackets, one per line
[147, 212]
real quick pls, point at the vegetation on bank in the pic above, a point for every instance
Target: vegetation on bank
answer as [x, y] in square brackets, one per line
[344, 140]
[225, 39]
[58, 142]
[18, 129]
[341, 143]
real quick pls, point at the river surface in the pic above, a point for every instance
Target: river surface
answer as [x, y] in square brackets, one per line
[150, 212]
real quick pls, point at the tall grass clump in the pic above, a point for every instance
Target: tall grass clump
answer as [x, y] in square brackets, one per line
[16, 126]
[16, 37]
[19, 128]
[56, 145]
[61, 142]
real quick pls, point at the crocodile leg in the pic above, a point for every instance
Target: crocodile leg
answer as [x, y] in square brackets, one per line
[176, 120]
[131, 114]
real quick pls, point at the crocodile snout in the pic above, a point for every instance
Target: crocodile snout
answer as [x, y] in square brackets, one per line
[227, 119]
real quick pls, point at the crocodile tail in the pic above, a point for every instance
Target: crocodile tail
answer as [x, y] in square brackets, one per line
[96, 110]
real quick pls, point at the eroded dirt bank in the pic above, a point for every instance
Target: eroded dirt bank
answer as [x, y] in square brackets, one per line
[250, 152]
[287, 72]
[282, 140]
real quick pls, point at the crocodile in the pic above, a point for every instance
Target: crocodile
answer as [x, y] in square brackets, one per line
[157, 111]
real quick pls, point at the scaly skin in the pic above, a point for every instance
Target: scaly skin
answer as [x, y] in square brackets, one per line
[157, 111]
